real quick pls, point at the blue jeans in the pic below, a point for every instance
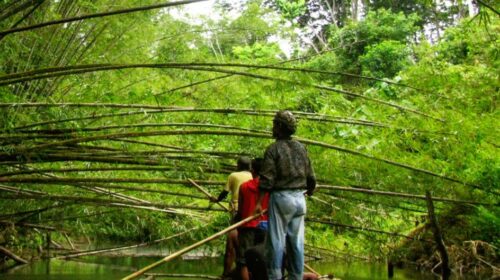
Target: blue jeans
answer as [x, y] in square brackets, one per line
[286, 229]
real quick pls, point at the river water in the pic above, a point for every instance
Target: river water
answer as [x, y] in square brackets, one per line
[97, 268]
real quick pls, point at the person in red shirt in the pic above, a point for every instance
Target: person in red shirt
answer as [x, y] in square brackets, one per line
[253, 232]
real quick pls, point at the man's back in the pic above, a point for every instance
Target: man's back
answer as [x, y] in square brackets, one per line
[234, 181]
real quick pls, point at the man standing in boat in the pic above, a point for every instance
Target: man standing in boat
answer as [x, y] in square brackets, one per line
[286, 172]
[232, 186]
[253, 232]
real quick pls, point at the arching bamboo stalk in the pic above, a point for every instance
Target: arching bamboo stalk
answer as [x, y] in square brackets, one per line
[90, 169]
[270, 113]
[330, 89]
[68, 69]
[170, 109]
[404, 195]
[335, 252]
[390, 162]
[243, 134]
[71, 70]
[97, 15]
[371, 201]
[42, 180]
[105, 202]
[357, 228]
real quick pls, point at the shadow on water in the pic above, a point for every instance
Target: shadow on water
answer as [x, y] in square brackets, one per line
[97, 268]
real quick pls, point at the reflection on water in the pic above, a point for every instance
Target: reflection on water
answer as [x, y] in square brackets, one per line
[97, 268]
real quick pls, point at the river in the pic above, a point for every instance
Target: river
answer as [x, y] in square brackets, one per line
[97, 268]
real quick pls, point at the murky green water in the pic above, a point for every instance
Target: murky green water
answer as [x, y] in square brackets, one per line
[97, 268]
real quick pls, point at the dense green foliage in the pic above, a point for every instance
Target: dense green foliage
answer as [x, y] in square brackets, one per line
[425, 118]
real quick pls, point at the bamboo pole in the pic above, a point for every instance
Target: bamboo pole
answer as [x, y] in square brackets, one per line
[193, 246]
[312, 270]
[318, 117]
[211, 197]
[96, 15]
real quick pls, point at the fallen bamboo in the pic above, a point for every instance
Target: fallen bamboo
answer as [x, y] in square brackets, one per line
[11, 255]
[194, 246]
[121, 248]
[211, 197]
[69, 241]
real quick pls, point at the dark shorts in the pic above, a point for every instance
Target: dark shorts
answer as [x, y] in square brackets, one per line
[247, 238]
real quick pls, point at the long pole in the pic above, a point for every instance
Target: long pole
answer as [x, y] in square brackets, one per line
[194, 246]
[207, 194]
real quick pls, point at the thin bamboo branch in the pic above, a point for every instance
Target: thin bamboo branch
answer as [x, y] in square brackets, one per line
[107, 250]
[31, 212]
[357, 228]
[41, 180]
[29, 225]
[334, 252]
[482, 3]
[330, 89]
[21, 7]
[149, 190]
[390, 162]
[97, 15]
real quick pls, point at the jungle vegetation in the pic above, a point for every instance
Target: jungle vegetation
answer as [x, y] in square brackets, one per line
[105, 116]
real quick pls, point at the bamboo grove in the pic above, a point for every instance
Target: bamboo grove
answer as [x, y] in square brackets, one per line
[116, 113]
